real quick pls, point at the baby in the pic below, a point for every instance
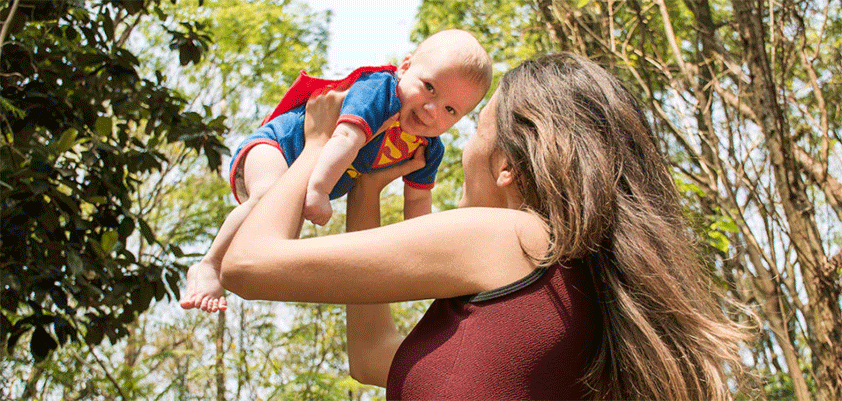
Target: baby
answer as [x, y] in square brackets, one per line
[445, 77]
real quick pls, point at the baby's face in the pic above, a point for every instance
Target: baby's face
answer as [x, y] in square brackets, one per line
[434, 94]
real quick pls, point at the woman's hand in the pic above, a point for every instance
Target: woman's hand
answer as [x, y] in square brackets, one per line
[322, 112]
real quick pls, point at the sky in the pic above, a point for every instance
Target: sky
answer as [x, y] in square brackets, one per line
[371, 32]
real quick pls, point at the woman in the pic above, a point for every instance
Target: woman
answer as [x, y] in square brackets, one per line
[566, 273]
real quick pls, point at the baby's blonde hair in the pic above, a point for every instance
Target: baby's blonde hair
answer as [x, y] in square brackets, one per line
[469, 55]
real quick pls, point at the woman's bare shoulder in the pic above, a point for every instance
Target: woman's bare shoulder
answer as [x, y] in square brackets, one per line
[524, 221]
[502, 227]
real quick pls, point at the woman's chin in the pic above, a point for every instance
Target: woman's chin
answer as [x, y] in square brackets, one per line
[462, 202]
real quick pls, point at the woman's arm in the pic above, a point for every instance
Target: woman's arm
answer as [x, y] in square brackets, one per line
[416, 202]
[440, 255]
[372, 338]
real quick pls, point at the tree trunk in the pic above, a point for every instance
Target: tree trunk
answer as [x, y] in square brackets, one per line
[825, 320]
[816, 173]
[220, 354]
[770, 302]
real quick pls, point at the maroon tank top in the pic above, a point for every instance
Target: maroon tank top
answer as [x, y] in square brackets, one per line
[531, 339]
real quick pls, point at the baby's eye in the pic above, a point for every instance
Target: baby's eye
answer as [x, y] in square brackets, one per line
[429, 87]
[450, 110]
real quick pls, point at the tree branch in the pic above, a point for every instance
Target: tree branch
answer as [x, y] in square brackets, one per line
[671, 39]
[104, 370]
[7, 23]
[817, 173]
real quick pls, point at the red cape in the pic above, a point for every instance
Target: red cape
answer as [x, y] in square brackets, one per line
[304, 86]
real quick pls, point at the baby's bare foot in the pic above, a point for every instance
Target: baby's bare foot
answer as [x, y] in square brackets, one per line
[317, 207]
[204, 291]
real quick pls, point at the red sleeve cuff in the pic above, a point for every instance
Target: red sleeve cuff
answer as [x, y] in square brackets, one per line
[418, 185]
[358, 121]
[237, 186]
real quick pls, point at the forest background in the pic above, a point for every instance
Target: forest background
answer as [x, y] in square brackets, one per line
[117, 116]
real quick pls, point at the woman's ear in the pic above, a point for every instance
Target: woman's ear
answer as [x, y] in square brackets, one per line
[505, 175]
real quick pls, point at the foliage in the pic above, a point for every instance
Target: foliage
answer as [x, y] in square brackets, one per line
[251, 60]
[508, 30]
[269, 350]
[89, 127]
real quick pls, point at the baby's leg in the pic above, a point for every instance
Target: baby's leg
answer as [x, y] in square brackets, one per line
[262, 167]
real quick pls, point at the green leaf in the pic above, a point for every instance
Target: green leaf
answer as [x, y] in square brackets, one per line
[126, 227]
[96, 200]
[109, 239]
[142, 297]
[108, 26]
[104, 126]
[41, 343]
[172, 281]
[67, 140]
[132, 7]
[146, 231]
[719, 241]
[9, 107]
[63, 329]
[582, 3]
[729, 226]
[94, 334]
[74, 262]
[89, 59]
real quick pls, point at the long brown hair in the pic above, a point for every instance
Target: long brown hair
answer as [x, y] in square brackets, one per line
[586, 161]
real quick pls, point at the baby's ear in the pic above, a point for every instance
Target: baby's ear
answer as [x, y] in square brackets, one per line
[404, 64]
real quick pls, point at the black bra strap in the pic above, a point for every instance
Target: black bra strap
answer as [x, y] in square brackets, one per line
[508, 288]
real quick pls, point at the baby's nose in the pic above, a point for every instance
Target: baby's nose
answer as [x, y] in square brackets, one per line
[430, 108]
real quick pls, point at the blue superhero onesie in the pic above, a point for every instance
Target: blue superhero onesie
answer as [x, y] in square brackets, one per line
[371, 100]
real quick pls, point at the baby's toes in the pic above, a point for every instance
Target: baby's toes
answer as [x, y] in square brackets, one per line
[186, 303]
[197, 301]
[189, 301]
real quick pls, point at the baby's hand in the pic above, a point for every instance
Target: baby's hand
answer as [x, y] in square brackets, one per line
[317, 207]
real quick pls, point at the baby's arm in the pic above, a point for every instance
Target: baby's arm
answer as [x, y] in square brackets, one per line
[334, 159]
[416, 202]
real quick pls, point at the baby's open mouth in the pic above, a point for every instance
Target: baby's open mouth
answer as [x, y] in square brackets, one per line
[417, 119]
